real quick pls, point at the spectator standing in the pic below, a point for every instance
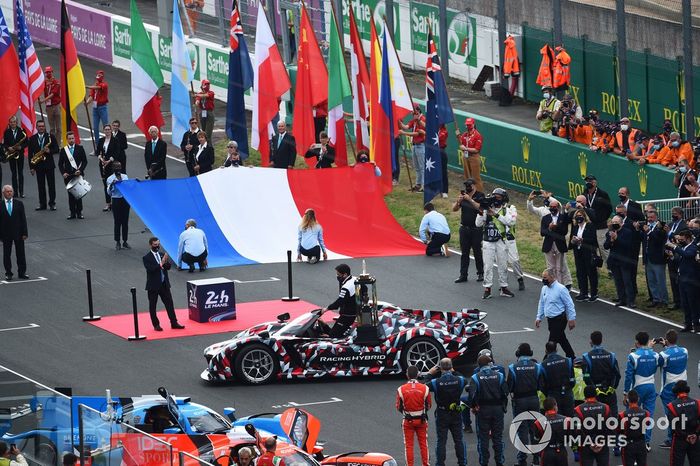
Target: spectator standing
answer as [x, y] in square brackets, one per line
[14, 142]
[52, 99]
[189, 145]
[544, 210]
[677, 225]
[669, 155]
[549, 105]
[557, 306]
[639, 374]
[599, 201]
[686, 252]
[413, 402]
[673, 360]
[593, 415]
[685, 434]
[435, 224]
[155, 153]
[13, 231]
[584, 244]
[120, 137]
[99, 98]
[525, 379]
[283, 151]
[684, 176]
[601, 370]
[625, 139]
[71, 163]
[554, 228]
[494, 221]
[470, 143]
[442, 142]
[416, 129]
[633, 208]
[204, 101]
[108, 152]
[192, 247]
[120, 207]
[310, 238]
[233, 158]
[621, 262]
[322, 152]
[488, 398]
[632, 421]
[44, 169]
[654, 241]
[7, 452]
[448, 386]
[157, 265]
[470, 236]
[559, 378]
[204, 155]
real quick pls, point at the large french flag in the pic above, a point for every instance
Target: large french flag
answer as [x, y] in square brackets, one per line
[251, 215]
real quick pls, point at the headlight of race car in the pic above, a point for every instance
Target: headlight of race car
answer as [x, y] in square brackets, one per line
[391, 462]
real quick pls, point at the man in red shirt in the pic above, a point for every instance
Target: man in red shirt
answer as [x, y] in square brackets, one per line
[204, 101]
[52, 99]
[470, 143]
[269, 458]
[416, 129]
[413, 401]
[99, 97]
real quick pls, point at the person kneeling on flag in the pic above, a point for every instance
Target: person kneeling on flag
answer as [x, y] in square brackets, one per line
[192, 247]
[310, 241]
[436, 225]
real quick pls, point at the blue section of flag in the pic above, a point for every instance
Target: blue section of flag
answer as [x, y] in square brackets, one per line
[438, 111]
[386, 102]
[5, 39]
[240, 79]
[181, 77]
[179, 200]
[24, 40]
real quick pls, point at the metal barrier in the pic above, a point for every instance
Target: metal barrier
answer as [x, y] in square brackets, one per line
[690, 206]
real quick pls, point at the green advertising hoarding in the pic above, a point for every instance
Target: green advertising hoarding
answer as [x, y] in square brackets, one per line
[165, 46]
[121, 39]
[367, 10]
[217, 67]
[461, 32]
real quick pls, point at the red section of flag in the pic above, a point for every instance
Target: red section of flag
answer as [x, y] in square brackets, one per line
[151, 115]
[69, 60]
[360, 86]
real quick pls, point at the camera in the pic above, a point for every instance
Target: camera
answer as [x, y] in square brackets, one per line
[537, 192]
[462, 192]
[641, 223]
[659, 341]
[572, 204]
[488, 202]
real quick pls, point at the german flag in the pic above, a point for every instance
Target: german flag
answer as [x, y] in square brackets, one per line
[72, 80]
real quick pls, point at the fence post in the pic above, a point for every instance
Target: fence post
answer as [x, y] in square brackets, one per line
[646, 88]
[135, 336]
[622, 58]
[444, 55]
[91, 311]
[584, 41]
[501, 39]
[688, 70]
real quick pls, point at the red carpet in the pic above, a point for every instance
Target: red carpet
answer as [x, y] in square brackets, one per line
[248, 314]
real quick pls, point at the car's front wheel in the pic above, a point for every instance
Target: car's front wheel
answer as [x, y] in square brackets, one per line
[423, 352]
[256, 364]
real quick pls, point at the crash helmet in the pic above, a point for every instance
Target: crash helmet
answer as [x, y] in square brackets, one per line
[501, 192]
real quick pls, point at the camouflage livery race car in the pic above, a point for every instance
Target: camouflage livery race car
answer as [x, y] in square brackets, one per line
[300, 348]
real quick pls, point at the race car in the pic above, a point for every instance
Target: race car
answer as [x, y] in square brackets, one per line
[301, 348]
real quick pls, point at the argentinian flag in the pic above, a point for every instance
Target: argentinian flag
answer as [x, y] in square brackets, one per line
[182, 76]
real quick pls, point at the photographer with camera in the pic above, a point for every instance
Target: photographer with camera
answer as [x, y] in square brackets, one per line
[602, 139]
[676, 225]
[620, 242]
[673, 360]
[470, 236]
[569, 117]
[686, 251]
[7, 452]
[548, 106]
[496, 217]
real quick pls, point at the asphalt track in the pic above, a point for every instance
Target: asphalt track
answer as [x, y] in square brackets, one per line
[356, 413]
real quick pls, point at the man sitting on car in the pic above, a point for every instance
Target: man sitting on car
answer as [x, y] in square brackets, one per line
[345, 303]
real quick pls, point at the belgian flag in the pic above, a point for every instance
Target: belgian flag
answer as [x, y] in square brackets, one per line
[72, 80]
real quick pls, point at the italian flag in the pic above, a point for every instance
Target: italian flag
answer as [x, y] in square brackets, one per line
[146, 77]
[338, 90]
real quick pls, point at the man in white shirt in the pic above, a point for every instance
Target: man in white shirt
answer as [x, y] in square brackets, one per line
[192, 247]
[436, 225]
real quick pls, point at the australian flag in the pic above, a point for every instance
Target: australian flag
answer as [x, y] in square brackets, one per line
[240, 79]
[438, 111]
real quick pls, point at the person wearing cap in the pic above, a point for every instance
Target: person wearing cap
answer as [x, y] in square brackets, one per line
[685, 422]
[470, 143]
[416, 129]
[548, 106]
[599, 201]
[470, 236]
[99, 97]
[204, 101]
[52, 99]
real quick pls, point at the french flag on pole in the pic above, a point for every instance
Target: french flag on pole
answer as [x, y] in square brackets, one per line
[265, 226]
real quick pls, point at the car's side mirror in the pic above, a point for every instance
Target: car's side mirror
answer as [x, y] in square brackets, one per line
[172, 430]
[283, 317]
[230, 413]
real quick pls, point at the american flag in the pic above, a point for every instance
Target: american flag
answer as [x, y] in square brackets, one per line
[236, 26]
[31, 76]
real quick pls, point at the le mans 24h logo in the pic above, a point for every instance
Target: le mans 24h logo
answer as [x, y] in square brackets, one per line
[531, 417]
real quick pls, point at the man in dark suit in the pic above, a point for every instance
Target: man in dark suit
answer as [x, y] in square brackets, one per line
[204, 155]
[157, 265]
[15, 137]
[71, 163]
[634, 209]
[13, 230]
[553, 228]
[688, 283]
[676, 225]
[654, 239]
[189, 145]
[322, 152]
[44, 169]
[120, 137]
[109, 151]
[154, 156]
[599, 201]
[621, 261]
[283, 148]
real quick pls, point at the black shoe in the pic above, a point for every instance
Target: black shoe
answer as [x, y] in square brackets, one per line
[468, 430]
[177, 326]
[190, 270]
[479, 277]
[71, 217]
[487, 293]
[80, 216]
[506, 293]
[632, 306]
[619, 304]
[126, 245]
[118, 247]
[40, 208]
[582, 297]
[568, 287]
[593, 298]
[158, 328]
[616, 300]
[8, 276]
[24, 276]
[53, 207]
[521, 284]
[462, 279]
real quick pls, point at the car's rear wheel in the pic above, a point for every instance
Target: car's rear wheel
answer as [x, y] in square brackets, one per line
[256, 364]
[423, 352]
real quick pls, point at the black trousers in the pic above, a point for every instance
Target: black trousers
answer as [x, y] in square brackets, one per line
[190, 260]
[624, 277]
[17, 169]
[19, 254]
[525, 431]
[489, 424]
[120, 213]
[589, 457]
[342, 325]
[689, 296]
[610, 400]
[635, 451]
[75, 205]
[313, 252]
[108, 198]
[554, 457]
[445, 181]
[586, 272]
[557, 333]
[449, 422]
[680, 448]
[44, 178]
[167, 298]
[565, 401]
[673, 278]
[470, 239]
[396, 169]
[435, 243]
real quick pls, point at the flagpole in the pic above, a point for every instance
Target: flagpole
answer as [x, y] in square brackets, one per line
[346, 135]
[408, 169]
[194, 106]
[41, 110]
[92, 137]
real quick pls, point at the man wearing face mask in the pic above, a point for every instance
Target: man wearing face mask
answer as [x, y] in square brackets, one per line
[619, 241]
[120, 207]
[345, 303]
[157, 265]
[677, 225]
[99, 97]
[599, 201]
[557, 306]
[548, 106]
[688, 283]
[683, 177]
[553, 228]
[470, 143]
[470, 236]
[654, 238]
[626, 138]
[636, 240]
[634, 209]
[670, 154]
